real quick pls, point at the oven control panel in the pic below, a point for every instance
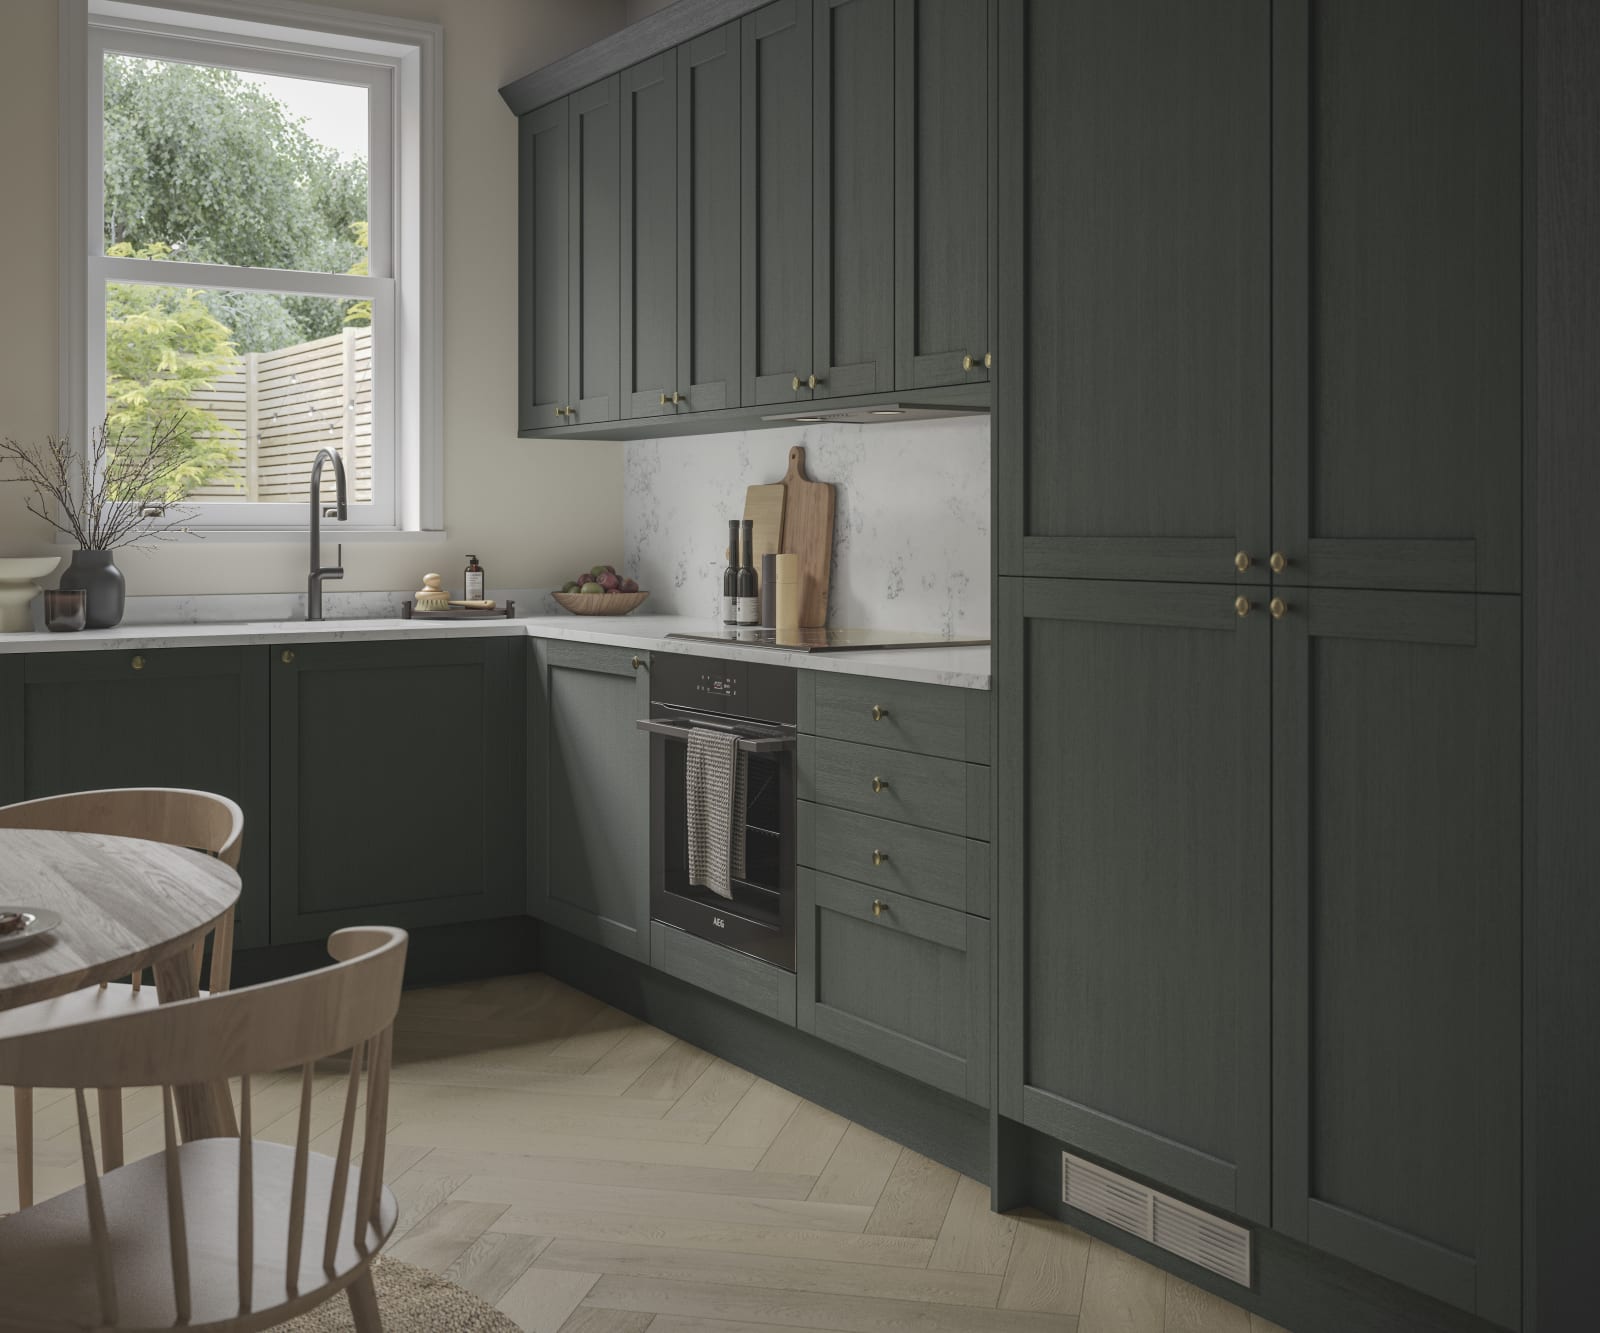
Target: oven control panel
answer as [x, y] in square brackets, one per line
[755, 690]
[719, 684]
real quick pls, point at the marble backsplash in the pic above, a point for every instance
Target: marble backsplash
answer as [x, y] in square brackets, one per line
[911, 527]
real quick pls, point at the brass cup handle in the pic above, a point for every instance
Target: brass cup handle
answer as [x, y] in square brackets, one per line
[879, 907]
[1242, 605]
[1278, 607]
[879, 712]
[286, 656]
[879, 857]
[1242, 561]
[878, 784]
[137, 663]
[1278, 563]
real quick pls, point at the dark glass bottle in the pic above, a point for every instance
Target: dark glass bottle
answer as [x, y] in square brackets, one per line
[730, 576]
[747, 590]
[472, 580]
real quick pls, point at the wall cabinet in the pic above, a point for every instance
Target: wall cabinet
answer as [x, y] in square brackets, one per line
[589, 793]
[777, 202]
[814, 220]
[154, 717]
[397, 783]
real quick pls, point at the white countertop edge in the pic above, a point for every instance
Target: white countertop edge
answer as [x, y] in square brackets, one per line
[962, 668]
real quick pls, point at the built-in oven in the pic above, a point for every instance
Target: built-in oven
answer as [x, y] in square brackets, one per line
[756, 703]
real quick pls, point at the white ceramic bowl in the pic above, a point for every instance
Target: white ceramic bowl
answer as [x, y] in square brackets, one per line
[19, 575]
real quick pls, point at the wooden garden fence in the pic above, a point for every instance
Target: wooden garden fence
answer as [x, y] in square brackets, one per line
[283, 406]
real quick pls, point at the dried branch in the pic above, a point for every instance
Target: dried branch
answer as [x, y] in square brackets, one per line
[120, 491]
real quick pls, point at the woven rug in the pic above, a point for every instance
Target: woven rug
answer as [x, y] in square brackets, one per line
[410, 1300]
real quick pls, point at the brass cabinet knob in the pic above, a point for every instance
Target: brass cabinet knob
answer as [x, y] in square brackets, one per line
[1242, 561]
[286, 656]
[664, 400]
[1278, 607]
[879, 908]
[637, 663]
[812, 381]
[1242, 605]
[1279, 562]
[879, 712]
[677, 397]
[988, 360]
[878, 858]
[795, 384]
[878, 784]
[138, 662]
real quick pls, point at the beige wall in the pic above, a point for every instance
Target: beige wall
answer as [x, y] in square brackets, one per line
[530, 510]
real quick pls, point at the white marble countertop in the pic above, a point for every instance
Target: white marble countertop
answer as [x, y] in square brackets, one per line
[967, 668]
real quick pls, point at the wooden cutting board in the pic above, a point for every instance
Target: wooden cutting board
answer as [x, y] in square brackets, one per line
[808, 533]
[763, 506]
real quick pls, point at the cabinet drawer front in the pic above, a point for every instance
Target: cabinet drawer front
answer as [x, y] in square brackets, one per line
[735, 976]
[936, 867]
[942, 794]
[900, 982]
[898, 715]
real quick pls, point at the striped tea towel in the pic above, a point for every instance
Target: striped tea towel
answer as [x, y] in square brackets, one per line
[714, 782]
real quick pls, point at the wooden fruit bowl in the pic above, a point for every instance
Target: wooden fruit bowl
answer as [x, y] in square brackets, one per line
[600, 603]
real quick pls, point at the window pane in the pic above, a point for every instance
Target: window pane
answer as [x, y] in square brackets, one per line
[219, 166]
[261, 382]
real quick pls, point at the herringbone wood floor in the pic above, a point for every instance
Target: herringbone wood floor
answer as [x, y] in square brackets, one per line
[591, 1174]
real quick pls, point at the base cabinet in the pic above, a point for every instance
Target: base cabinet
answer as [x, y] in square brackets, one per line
[589, 793]
[902, 982]
[155, 717]
[397, 787]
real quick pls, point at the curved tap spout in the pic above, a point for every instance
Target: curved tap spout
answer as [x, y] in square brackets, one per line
[341, 512]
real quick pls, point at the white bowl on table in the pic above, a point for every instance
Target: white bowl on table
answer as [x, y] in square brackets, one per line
[19, 585]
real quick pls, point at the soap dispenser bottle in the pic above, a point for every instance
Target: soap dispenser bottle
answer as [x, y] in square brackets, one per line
[472, 581]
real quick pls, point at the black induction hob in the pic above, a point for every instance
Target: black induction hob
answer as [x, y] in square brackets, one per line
[826, 640]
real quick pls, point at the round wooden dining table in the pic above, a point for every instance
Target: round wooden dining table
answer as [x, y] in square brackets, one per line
[125, 904]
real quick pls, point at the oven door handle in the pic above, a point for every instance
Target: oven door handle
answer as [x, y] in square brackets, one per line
[749, 744]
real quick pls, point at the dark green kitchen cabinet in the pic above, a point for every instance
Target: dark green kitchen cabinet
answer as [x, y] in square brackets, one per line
[649, 280]
[1133, 407]
[149, 717]
[589, 793]
[708, 311]
[1397, 304]
[945, 195]
[543, 381]
[1397, 919]
[777, 199]
[398, 776]
[1133, 896]
[853, 160]
[594, 217]
[900, 981]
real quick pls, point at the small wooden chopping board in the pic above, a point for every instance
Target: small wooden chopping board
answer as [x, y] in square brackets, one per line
[763, 507]
[808, 533]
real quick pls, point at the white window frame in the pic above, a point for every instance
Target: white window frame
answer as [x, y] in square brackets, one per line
[400, 65]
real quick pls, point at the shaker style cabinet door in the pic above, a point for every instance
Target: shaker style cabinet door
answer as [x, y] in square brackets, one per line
[944, 191]
[589, 794]
[1397, 261]
[594, 228]
[1133, 399]
[543, 378]
[708, 343]
[1133, 896]
[776, 189]
[376, 818]
[1397, 918]
[649, 93]
[157, 717]
[853, 263]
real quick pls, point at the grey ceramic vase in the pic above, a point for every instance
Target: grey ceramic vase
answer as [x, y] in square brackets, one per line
[103, 586]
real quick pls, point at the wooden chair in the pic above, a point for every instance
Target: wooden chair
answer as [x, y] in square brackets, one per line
[173, 815]
[217, 1233]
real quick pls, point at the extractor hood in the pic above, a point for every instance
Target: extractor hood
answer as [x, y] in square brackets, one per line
[877, 414]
